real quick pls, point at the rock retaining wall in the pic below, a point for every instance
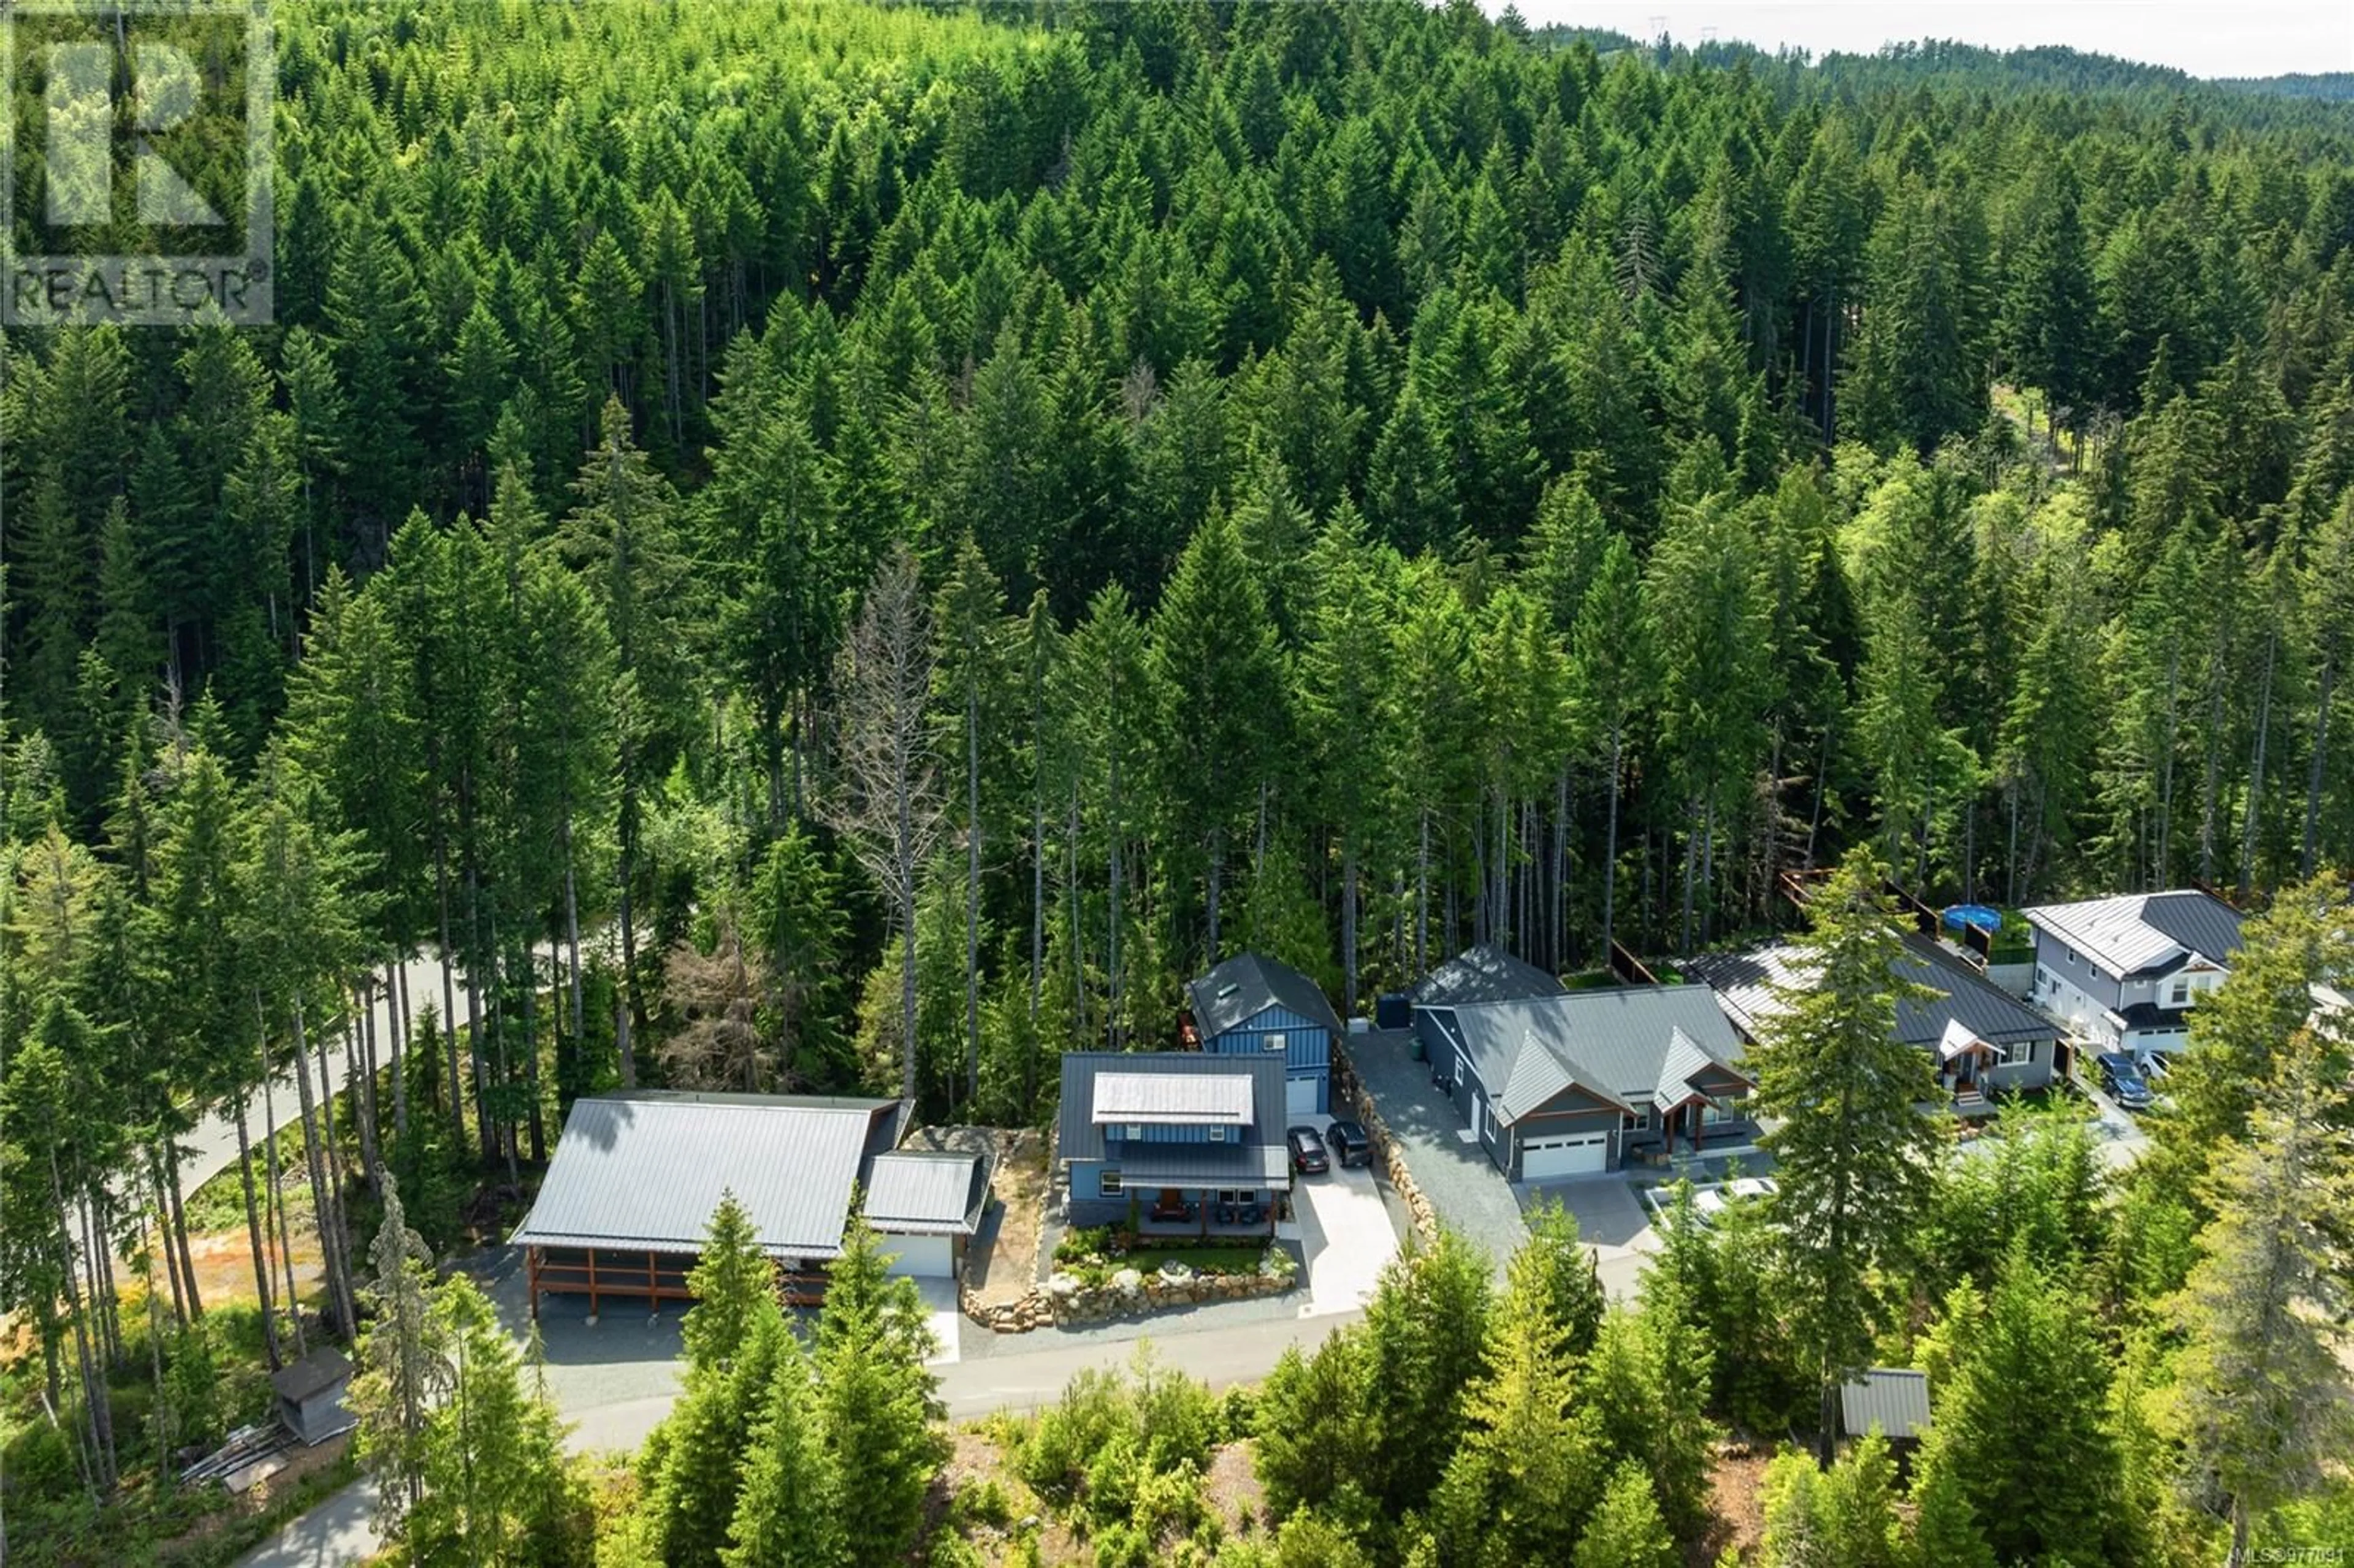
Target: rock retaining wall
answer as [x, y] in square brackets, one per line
[1127, 1293]
[1131, 1293]
[1347, 1090]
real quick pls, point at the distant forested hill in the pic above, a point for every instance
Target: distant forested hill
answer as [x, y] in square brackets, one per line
[1343, 480]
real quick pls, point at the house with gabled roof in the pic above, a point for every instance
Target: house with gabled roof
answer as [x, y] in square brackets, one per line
[2124, 972]
[1983, 1037]
[1571, 1084]
[1253, 1006]
[1177, 1140]
[628, 1198]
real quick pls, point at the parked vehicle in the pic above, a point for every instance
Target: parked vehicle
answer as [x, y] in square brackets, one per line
[1307, 1153]
[1349, 1142]
[2122, 1078]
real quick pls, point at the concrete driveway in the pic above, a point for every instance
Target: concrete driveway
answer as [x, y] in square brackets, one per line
[1346, 1230]
[1461, 1184]
[1611, 1218]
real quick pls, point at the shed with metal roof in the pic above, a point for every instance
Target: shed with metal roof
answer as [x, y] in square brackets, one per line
[1893, 1398]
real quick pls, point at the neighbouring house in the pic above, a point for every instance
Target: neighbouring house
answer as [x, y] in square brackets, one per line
[1182, 1141]
[1570, 1084]
[1250, 1006]
[1893, 1398]
[1983, 1037]
[1484, 973]
[310, 1393]
[629, 1196]
[2124, 972]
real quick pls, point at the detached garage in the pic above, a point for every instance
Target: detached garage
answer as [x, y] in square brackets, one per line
[929, 1205]
[629, 1196]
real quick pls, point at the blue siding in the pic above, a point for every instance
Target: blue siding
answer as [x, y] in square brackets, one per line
[1306, 1048]
[1115, 1134]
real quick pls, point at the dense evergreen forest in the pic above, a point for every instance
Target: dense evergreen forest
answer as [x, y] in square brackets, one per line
[811, 547]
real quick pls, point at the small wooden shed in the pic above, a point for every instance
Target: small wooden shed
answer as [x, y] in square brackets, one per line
[311, 1395]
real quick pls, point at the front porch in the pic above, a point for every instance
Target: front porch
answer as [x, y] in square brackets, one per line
[1206, 1212]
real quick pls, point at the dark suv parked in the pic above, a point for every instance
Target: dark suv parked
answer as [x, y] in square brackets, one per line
[1348, 1143]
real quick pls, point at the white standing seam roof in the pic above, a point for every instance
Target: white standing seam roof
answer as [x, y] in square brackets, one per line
[646, 1170]
[2111, 930]
[919, 1192]
[1200, 1099]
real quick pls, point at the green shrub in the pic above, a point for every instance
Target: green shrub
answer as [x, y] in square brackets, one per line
[981, 1503]
[1093, 1411]
[1237, 1414]
[1078, 1245]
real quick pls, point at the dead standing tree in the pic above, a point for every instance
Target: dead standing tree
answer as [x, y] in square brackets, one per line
[886, 799]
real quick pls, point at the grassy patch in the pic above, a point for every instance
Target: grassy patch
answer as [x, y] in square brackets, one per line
[1211, 1259]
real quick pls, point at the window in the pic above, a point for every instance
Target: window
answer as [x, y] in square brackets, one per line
[1458, 1072]
[1715, 1113]
[1135, 1130]
[1271, 1042]
[2070, 952]
[1111, 1186]
[2177, 991]
[1217, 1135]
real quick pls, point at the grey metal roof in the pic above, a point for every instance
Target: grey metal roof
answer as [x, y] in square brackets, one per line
[922, 1192]
[1747, 985]
[1894, 1399]
[322, 1370]
[1683, 1062]
[2135, 933]
[1188, 1099]
[1078, 1136]
[1206, 1165]
[1247, 985]
[645, 1169]
[1484, 973]
[1610, 1043]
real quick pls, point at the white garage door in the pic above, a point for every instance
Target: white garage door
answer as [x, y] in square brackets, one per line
[926, 1257]
[1579, 1156]
[1298, 1097]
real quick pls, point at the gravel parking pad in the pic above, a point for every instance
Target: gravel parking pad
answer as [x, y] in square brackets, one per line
[1464, 1189]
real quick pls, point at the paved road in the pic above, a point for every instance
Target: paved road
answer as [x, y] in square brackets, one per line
[336, 1532]
[211, 1148]
[1033, 1378]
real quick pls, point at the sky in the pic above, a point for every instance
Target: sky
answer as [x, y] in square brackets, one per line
[2205, 37]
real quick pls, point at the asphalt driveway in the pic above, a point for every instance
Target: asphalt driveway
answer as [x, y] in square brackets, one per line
[1463, 1187]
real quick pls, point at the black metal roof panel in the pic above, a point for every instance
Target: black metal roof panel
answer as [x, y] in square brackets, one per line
[1245, 986]
[1484, 973]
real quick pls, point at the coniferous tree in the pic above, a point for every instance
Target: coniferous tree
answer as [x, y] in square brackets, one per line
[1853, 1155]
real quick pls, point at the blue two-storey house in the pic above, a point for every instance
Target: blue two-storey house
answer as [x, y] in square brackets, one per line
[1175, 1140]
[1251, 1006]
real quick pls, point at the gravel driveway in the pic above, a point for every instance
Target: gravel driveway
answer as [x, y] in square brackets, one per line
[1465, 1190]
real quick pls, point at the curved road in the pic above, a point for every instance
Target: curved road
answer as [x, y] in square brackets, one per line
[211, 1146]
